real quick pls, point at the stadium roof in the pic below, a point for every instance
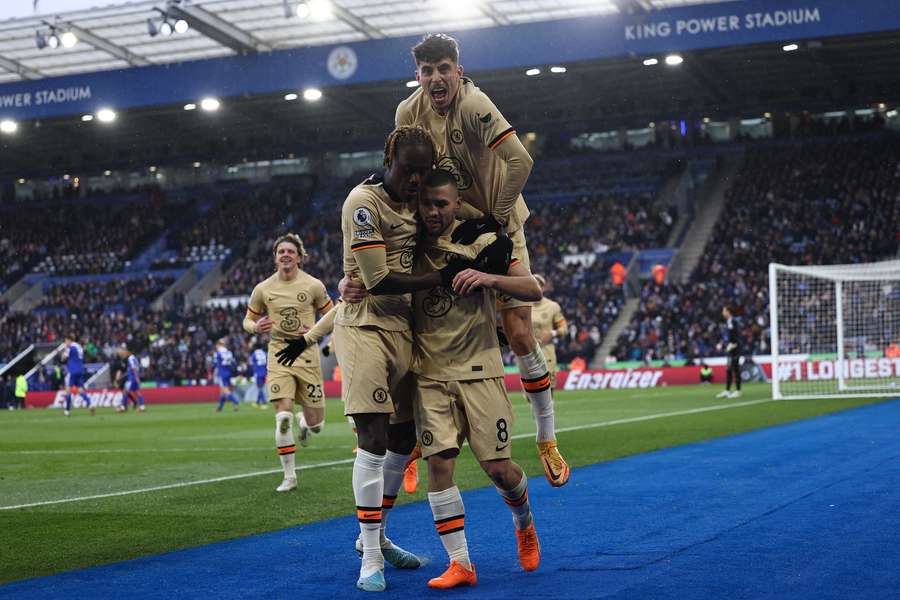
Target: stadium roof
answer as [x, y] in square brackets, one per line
[117, 36]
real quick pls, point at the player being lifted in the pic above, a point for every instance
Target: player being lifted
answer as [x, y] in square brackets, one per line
[73, 354]
[285, 305]
[461, 392]
[373, 338]
[223, 368]
[476, 143]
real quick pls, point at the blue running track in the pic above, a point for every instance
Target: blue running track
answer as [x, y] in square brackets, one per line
[805, 510]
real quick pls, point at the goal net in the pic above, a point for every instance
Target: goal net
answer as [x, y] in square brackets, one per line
[835, 330]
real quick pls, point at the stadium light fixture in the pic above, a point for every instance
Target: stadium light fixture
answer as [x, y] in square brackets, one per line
[8, 126]
[674, 59]
[533, 72]
[412, 83]
[291, 96]
[881, 106]
[68, 39]
[790, 47]
[320, 10]
[87, 118]
[302, 10]
[165, 28]
[196, 165]
[557, 69]
[67, 177]
[210, 104]
[190, 106]
[312, 94]
[21, 181]
[706, 119]
[107, 173]
[767, 115]
[53, 40]
[891, 114]
[181, 26]
[106, 115]
[649, 62]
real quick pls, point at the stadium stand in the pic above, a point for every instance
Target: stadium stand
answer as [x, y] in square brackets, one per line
[824, 201]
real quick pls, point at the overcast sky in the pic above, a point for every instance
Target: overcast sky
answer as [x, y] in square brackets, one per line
[25, 8]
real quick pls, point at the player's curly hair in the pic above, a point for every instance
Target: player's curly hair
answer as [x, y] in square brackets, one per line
[434, 47]
[292, 238]
[406, 135]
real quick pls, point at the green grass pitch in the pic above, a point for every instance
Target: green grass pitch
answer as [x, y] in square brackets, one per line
[46, 458]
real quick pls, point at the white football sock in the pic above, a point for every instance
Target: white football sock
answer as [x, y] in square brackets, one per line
[449, 520]
[538, 386]
[284, 442]
[394, 466]
[517, 500]
[368, 490]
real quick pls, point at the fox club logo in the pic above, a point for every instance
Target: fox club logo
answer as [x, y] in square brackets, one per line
[342, 62]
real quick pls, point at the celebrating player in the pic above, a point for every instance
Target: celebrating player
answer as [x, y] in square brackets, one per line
[223, 366]
[477, 144]
[73, 354]
[548, 322]
[132, 381]
[461, 392]
[285, 305]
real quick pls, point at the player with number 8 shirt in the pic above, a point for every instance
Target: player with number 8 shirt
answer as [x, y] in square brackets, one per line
[285, 306]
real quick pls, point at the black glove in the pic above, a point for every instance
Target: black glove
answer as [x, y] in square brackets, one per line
[295, 347]
[469, 231]
[496, 257]
[455, 266]
[326, 350]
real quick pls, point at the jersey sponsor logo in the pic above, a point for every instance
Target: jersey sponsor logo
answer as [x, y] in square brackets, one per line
[485, 118]
[427, 438]
[363, 217]
[437, 303]
[342, 62]
[302, 297]
[290, 320]
[463, 178]
[456, 136]
[364, 233]
[380, 395]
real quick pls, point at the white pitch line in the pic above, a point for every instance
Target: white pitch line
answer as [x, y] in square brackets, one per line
[157, 451]
[178, 485]
[170, 486]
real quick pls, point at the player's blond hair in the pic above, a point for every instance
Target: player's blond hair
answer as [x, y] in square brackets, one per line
[406, 135]
[294, 239]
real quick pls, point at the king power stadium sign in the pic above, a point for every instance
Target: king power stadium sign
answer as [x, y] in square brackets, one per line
[725, 23]
[46, 96]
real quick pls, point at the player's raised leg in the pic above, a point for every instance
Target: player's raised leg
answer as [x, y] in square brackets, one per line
[537, 384]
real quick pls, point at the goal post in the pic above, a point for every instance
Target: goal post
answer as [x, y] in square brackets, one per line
[835, 330]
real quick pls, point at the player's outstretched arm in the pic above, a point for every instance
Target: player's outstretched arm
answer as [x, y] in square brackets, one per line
[518, 283]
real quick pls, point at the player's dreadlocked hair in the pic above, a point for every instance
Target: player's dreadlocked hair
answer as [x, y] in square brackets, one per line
[406, 135]
[434, 47]
[292, 238]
